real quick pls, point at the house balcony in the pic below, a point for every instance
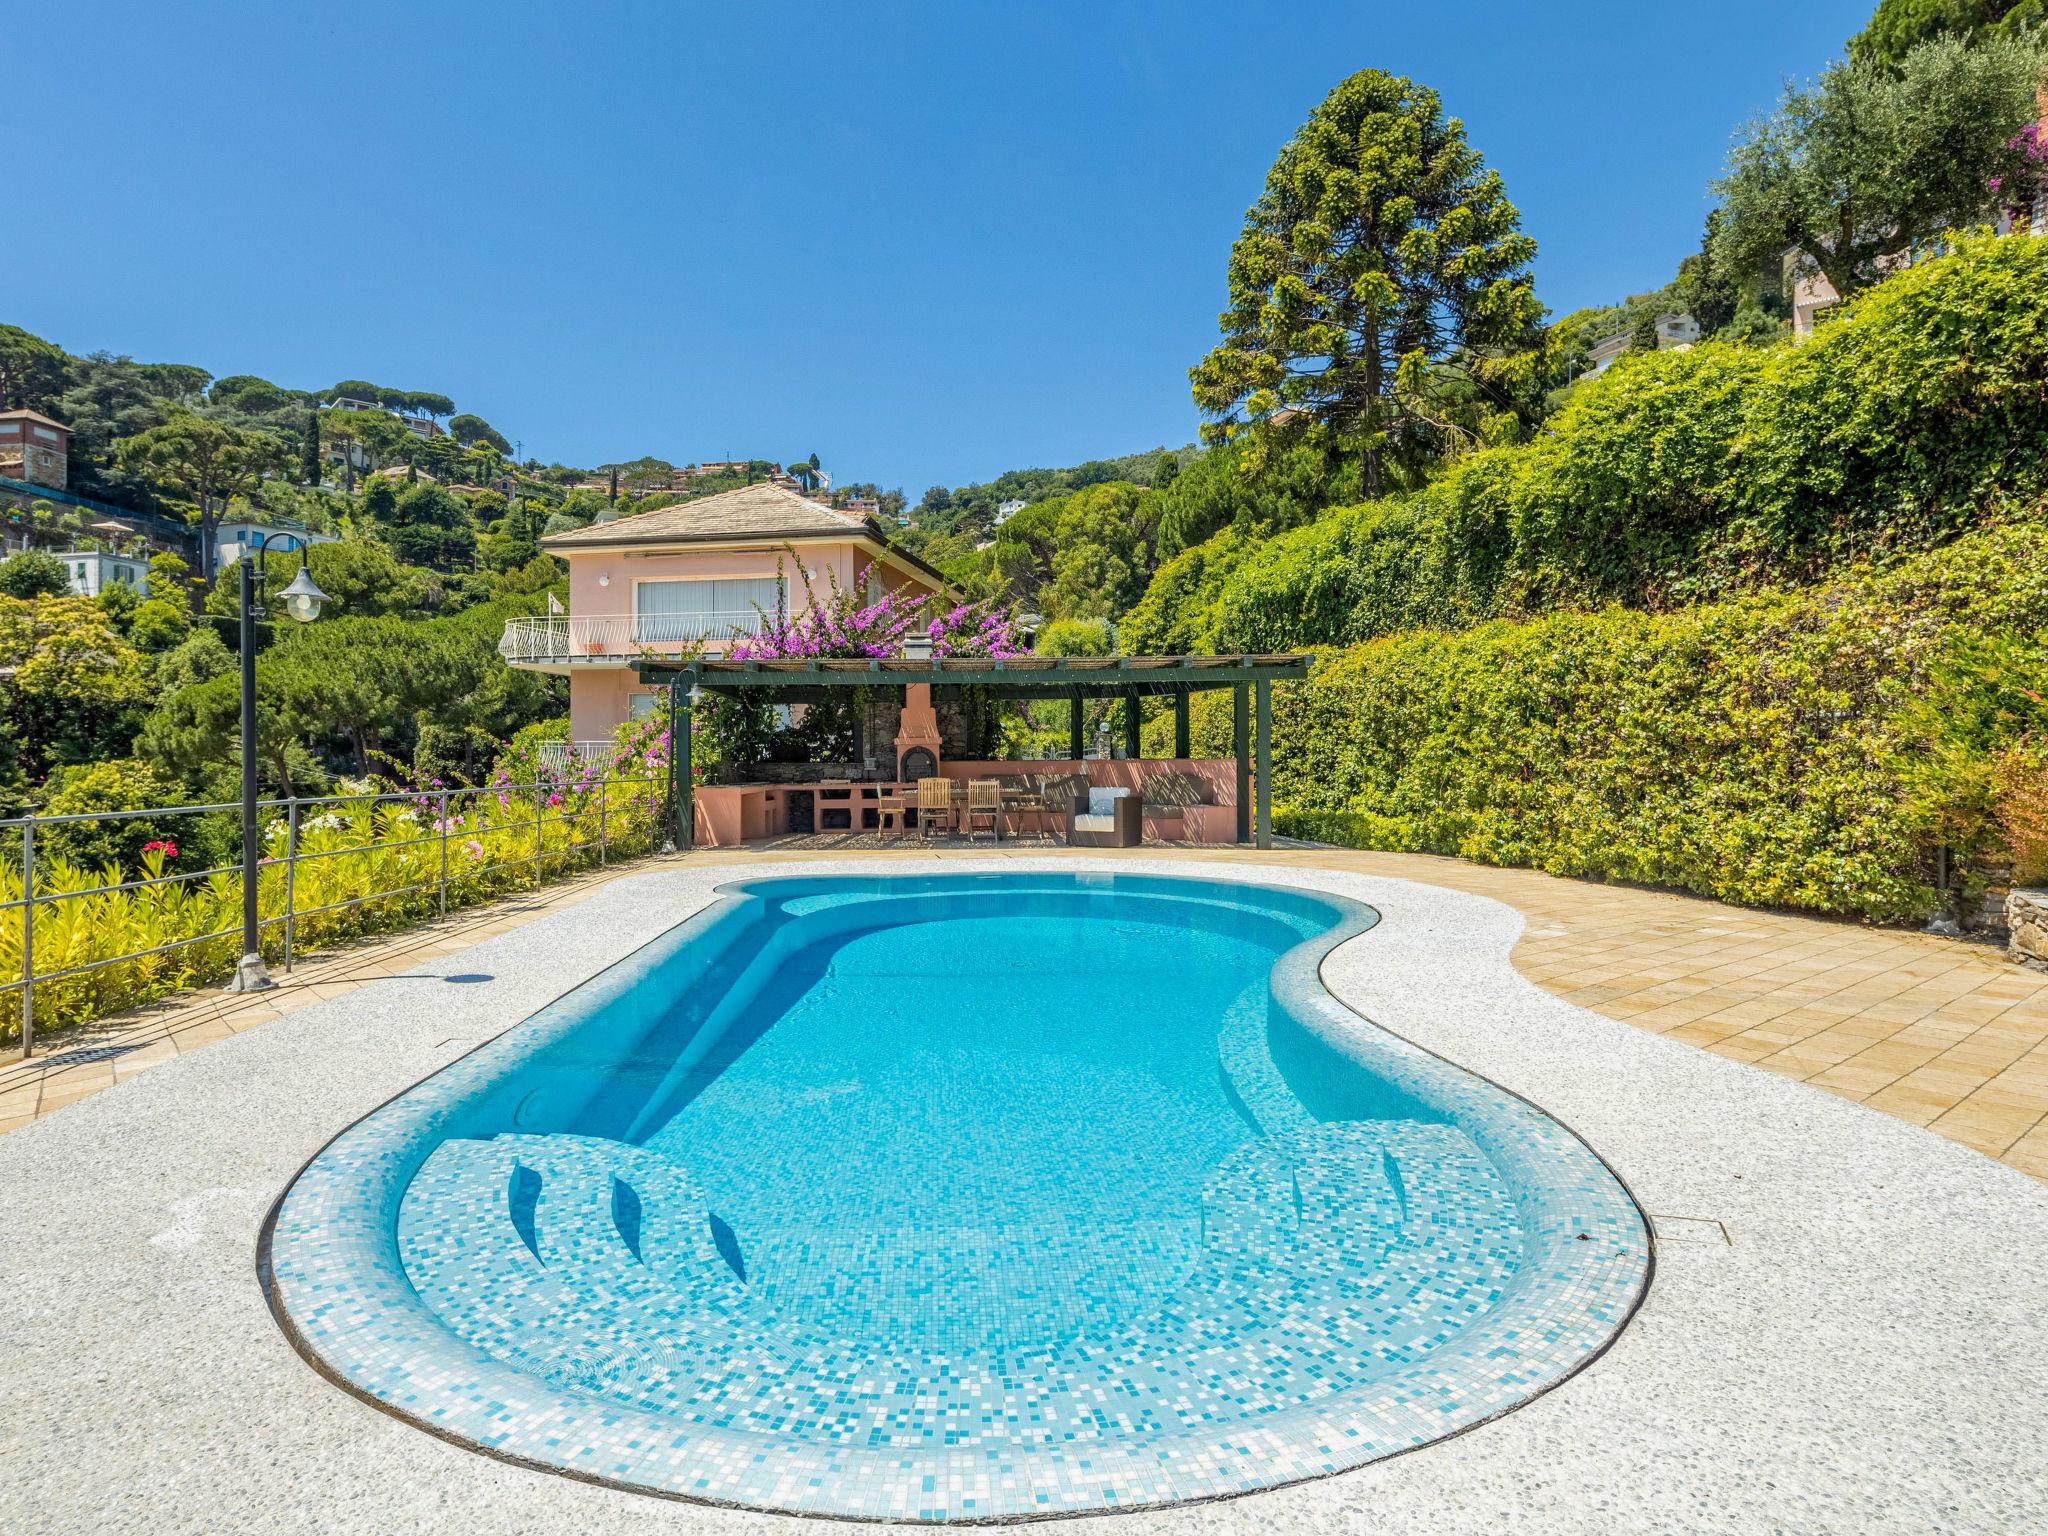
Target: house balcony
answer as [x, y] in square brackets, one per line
[564, 643]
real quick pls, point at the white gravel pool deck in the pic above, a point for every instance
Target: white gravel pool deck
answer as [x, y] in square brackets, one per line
[1847, 1331]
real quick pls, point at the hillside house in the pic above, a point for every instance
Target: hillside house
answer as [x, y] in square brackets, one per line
[689, 578]
[232, 538]
[1812, 292]
[418, 426]
[34, 448]
[92, 571]
[1675, 332]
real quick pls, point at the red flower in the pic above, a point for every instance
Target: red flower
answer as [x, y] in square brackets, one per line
[165, 847]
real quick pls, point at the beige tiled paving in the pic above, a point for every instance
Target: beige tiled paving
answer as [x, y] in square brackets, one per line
[1945, 1034]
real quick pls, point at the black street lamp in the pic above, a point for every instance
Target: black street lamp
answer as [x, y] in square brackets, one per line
[302, 600]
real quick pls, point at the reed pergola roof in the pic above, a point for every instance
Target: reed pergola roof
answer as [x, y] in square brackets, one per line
[1024, 677]
[1072, 678]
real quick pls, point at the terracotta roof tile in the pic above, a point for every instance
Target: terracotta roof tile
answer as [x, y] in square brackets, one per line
[751, 512]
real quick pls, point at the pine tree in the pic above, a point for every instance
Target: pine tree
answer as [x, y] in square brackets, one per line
[1381, 275]
[309, 450]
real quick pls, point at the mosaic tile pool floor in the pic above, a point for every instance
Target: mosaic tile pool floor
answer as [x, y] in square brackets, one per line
[958, 1198]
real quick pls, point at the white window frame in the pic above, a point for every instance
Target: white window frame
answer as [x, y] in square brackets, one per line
[707, 623]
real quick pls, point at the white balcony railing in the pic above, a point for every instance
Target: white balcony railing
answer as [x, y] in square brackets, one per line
[579, 637]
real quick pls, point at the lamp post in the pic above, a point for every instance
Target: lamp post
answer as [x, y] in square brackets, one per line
[302, 600]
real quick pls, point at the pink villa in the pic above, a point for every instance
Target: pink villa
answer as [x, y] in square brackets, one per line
[659, 599]
[697, 575]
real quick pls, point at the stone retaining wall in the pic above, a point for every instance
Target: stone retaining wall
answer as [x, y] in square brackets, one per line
[2026, 921]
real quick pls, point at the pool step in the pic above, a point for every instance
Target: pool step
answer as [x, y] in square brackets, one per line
[1349, 1194]
[1348, 1240]
[1460, 1242]
[578, 1305]
[968, 1288]
[1375, 1238]
[1251, 1212]
[1354, 1194]
[1251, 1077]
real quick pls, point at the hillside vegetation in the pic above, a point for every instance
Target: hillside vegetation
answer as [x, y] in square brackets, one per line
[1677, 477]
[1803, 748]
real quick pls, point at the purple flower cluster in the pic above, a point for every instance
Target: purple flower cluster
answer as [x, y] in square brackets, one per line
[2032, 143]
[841, 627]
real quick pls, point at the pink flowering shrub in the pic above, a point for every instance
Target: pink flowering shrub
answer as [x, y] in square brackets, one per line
[839, 625]
[2032, 143]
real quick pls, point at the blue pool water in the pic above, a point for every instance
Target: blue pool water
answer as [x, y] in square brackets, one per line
[961, 1197]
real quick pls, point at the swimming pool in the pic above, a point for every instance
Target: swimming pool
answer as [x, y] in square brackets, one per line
[957, 1197]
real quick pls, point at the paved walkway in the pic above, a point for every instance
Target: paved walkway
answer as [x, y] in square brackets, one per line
[1940, 1033]
[1842, 1335]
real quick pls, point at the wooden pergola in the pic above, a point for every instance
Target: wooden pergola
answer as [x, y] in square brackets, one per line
[1073, 678]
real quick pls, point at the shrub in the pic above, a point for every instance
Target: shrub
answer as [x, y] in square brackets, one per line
[1075, 637]
[1677, 477]
[2023, 812]
[1758, 750]
[157, 626]
[119, 784]
[495, 839]
[34, 573]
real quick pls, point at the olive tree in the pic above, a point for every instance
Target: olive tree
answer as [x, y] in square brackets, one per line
[1874, 157]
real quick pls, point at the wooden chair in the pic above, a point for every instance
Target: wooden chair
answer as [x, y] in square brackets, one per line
[891, 811]
[934, 805]
[985, 799]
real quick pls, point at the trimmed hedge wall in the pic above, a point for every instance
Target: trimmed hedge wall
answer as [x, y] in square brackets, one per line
[1676, 478]
[1756, 750]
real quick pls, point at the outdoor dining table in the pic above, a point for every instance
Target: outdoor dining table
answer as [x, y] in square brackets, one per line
[894, 798]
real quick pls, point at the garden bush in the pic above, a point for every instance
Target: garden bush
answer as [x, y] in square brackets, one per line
[1772, 749]
[1675, 478]
[375, 865]
[119, 784]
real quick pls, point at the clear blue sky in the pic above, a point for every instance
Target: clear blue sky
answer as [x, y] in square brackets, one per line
[930, 242]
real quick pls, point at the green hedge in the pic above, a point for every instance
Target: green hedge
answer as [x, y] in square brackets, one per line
[1676, 478]
[1758, 750]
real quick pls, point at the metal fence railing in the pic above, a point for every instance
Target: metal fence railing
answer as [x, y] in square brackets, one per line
[94, 920]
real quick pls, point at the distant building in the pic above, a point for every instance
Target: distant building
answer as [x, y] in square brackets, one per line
[1811, 293]
[1005, 510]
[418, 426]
[35, 448]
[91, 572]
[231, 539]
[1675, 332]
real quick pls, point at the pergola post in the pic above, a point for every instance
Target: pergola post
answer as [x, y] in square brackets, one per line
[1265, 764]
[1240, 744]
[681, 778]
[1134, 719]
[1180, 724]
[1074, 723]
